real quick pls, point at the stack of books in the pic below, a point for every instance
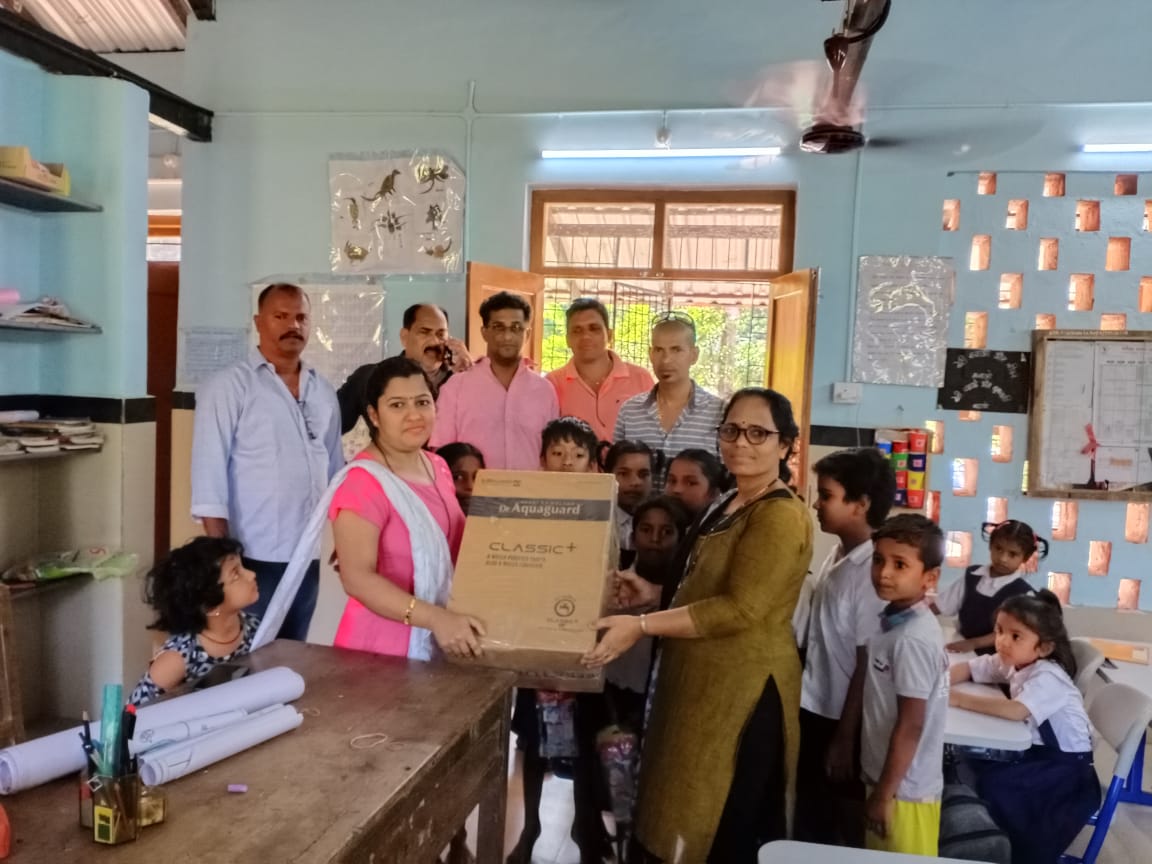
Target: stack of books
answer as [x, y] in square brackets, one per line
[36, 437]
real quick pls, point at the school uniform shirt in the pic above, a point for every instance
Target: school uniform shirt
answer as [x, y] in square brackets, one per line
[262, 458]
[906, 659]
[845, 614]
[951, 598]
[505, 424]
[1045, 689]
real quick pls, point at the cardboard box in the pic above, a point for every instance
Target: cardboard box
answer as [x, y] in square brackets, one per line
[16, 163]
[535, 566]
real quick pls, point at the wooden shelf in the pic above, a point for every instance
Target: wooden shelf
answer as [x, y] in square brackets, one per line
[55, 454]
[24, 197]
[17, 590]
[45, 327]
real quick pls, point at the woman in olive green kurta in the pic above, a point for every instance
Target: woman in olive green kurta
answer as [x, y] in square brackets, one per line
[727, 646]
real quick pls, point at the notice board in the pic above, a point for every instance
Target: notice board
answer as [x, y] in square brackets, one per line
[1090, 434]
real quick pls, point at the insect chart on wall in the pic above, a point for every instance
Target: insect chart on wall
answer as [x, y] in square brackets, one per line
[396, 213]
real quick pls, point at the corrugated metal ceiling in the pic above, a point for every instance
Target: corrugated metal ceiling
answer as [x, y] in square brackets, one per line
[106, 26]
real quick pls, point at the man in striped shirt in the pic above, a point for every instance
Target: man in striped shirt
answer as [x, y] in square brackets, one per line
[677, 413]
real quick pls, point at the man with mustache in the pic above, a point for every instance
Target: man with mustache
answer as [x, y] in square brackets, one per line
[426, 340]
[265, 443]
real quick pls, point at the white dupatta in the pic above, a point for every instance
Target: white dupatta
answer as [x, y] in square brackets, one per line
[431, 557]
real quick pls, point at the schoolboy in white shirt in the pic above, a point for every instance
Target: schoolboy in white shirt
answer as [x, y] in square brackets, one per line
[905, 692]
[855, 490]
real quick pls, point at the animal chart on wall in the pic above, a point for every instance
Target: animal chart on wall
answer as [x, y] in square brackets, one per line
[348, 324]
[901, 330]
[396, 213]
[1091, 431]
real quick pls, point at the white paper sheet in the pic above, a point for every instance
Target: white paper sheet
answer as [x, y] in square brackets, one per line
[42, 759]
[160, 736]
[174, 761]
[206, 350]
[1067, 413]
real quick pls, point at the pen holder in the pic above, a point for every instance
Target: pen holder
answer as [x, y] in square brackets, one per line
[152, 807]
[113, 808]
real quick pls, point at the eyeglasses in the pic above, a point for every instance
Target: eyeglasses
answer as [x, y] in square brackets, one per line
[756, 435]
[677, 317]
[307, 423]
[501, 329]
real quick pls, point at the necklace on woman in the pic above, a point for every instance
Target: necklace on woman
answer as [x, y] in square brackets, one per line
[741, 502]
[424, 462]
[239, 630]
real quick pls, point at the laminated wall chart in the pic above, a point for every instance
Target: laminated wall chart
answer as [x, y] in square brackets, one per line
[1094, 413]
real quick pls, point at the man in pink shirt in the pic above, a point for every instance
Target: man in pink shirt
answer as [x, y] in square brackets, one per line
[595, 382]
[500, 405]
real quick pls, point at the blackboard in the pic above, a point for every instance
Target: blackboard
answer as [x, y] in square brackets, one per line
[981, 380]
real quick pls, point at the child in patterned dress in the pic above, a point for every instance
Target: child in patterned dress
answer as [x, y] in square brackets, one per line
[199, 592]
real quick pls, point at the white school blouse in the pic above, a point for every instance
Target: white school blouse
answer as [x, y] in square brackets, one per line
[1047, 692]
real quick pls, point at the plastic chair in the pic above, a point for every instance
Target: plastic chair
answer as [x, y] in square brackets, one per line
[1121, 715]
[1089, 659]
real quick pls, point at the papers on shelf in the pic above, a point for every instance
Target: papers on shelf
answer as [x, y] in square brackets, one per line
[47, 310]
[48, 436]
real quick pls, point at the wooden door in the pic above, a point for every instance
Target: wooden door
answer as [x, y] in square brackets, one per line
[163, 300]
[484, 280]
[788, 362]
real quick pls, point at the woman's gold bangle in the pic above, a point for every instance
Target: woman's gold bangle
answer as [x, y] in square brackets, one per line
[643, 625]
[408, 613]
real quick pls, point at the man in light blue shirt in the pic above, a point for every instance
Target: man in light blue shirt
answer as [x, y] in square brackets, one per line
[265, 443]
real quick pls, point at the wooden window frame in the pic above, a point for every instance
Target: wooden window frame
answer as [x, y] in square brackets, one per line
[660, 198]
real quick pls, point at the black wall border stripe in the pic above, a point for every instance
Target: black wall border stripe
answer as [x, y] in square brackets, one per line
[99, 409]
[841, 436]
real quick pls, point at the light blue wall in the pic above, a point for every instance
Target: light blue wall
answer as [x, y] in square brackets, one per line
[968, 87]
[21, 91]
[94, 262]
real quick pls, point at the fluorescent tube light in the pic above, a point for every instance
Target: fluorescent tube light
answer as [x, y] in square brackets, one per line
[1117, 148]
[662, 153]
[157, 120]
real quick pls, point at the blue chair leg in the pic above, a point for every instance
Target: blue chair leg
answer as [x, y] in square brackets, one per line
[1103, 821]
[1133, 791]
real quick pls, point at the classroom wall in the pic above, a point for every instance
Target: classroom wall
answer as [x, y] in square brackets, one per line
[78, 637]
[21, 90]
[1010, 90]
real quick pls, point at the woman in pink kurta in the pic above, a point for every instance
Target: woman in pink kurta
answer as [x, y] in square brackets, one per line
[396, 601]
[361, 629]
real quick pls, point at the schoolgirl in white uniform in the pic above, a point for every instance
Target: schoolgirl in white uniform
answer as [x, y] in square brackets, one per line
[1044, 799]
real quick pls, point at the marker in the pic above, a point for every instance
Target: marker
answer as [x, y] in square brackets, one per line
[127, 727]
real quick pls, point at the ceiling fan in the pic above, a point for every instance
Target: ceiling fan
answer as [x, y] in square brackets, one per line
[834, 128]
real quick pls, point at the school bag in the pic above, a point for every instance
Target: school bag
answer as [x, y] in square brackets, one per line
[967, 831]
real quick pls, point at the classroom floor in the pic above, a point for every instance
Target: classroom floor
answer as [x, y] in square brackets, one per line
[1129, 839]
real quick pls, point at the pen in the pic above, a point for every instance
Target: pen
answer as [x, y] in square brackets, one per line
[127, 728]
[90, 752]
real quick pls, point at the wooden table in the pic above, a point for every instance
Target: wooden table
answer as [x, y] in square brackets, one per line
[311, 797]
